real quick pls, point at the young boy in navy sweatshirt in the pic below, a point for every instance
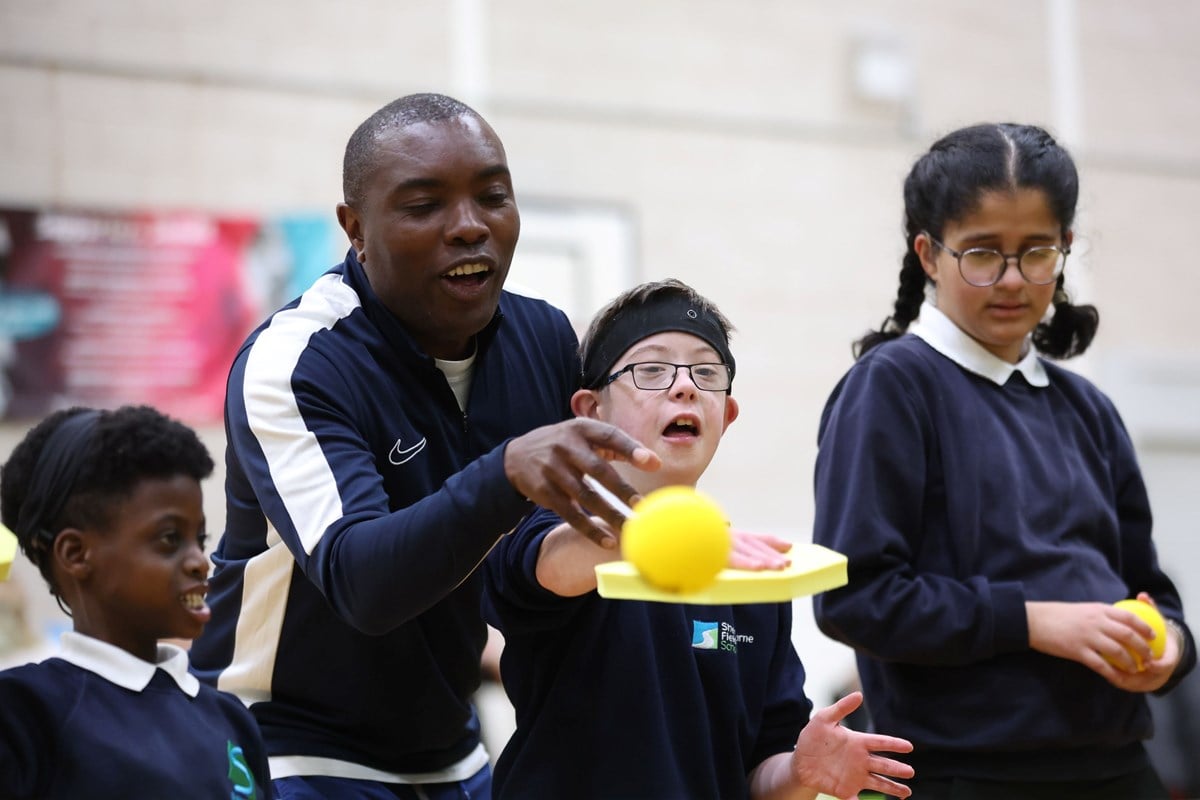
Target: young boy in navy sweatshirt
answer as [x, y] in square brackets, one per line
[622, 699]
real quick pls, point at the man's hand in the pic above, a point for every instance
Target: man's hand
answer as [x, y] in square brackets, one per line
[547, 466]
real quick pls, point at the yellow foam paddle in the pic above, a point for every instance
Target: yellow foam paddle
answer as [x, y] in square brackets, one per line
[814, 569]
[8, 551]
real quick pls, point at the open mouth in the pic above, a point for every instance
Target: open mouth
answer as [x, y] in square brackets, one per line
[682, 427]
[474, 274]
[194, 602]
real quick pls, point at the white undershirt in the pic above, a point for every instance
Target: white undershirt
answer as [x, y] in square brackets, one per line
[458, 375]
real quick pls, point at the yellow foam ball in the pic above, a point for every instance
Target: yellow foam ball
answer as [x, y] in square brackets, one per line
[677, 538]
[1155, 620]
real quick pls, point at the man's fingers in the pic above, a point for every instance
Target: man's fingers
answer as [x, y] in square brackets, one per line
[616, 445]
[601, 478]
[594, 501]
[604, 511]
[597, 534]
[582, 522]
[548, 465]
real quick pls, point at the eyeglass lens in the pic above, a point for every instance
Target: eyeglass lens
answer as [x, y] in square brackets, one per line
[984, 267]
[661, 375]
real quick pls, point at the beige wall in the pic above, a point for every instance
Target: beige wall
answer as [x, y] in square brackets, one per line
[731, 134]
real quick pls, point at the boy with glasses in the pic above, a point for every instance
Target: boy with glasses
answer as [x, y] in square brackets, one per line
[613, 698]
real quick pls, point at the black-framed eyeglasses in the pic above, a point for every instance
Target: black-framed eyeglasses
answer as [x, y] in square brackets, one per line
[984, 266]
[658, 375]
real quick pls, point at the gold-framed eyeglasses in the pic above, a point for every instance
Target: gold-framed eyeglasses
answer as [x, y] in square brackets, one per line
[658, 375]
[984, 266]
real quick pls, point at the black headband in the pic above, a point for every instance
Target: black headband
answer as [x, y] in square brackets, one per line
[659, 314]
[53, 480]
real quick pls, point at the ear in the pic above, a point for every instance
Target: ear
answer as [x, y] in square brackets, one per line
[927, 252]
[352, 224]
[731, 412]
[72, 553]
[1069, 239]
[586, 403]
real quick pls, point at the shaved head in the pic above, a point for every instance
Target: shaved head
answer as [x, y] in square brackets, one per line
[362, 149]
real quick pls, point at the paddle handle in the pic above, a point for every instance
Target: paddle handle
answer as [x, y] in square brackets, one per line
[608, 496]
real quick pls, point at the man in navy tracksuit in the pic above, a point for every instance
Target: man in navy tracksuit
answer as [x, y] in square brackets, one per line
[384, 430]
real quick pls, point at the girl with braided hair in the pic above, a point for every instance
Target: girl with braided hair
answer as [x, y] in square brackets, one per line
[990, 501]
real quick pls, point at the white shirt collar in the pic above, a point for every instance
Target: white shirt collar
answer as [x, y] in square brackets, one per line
[940, 333]
[125, 669]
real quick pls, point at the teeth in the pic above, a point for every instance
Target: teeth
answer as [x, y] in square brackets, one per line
[467, 269]
[195, 601]
[687, 423]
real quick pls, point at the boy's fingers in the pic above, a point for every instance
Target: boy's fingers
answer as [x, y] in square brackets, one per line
[845, 706]
[879, 743]
[751, 552]
[778, 543]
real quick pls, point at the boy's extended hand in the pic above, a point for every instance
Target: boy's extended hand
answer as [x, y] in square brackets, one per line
[547, 466]
[842, 762]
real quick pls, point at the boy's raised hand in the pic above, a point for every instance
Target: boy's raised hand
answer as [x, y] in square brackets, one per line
[547, 465]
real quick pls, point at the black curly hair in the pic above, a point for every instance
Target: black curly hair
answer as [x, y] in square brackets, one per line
[129, 445]
[946, 184]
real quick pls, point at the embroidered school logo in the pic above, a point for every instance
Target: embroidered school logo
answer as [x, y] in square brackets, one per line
[704, 635]
[402, 455]
[239, 774]
[717, 636]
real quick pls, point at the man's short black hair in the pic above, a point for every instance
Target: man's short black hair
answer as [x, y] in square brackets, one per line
[361, 150]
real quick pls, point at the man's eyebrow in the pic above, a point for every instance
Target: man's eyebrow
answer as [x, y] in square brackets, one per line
[494, 170]
[417, 183]
[433, 183]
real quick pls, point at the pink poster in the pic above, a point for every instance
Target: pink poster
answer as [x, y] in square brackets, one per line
[105, 309]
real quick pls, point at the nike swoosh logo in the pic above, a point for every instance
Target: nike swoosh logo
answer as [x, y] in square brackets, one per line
[400, 455]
